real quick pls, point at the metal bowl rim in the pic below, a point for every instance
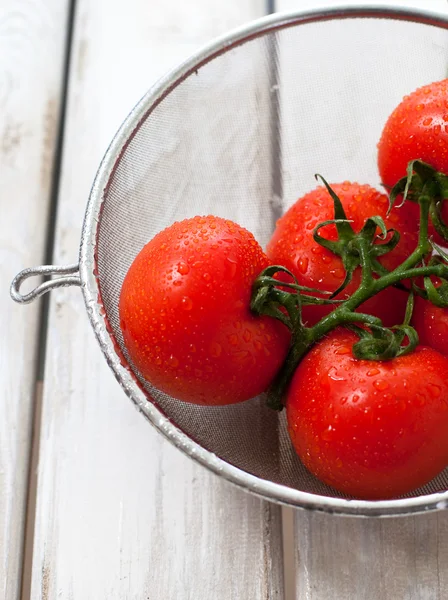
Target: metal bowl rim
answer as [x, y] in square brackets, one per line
[265, 489]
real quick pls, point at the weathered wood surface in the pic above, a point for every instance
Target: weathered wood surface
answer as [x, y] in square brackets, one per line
[120, 513]
[32, 45]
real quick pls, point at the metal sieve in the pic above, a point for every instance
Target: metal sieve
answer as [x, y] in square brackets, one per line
[239, 130]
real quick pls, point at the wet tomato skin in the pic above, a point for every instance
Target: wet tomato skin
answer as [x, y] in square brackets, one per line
[185, 316]
[370, 429]
[416, 129]
[293, 246]
[431, 323]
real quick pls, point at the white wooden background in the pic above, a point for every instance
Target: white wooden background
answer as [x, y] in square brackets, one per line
[100, 507]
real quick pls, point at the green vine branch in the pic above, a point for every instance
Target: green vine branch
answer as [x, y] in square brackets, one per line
[284, 301]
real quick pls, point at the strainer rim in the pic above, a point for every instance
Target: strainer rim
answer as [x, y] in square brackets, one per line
[263, 488]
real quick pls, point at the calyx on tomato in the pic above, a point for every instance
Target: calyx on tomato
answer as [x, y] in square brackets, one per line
[423, 185]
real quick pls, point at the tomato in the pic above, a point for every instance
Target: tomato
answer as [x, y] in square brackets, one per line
[431, 323]
[417, 129]
[370, 429]
[293, 246]
[185, 316]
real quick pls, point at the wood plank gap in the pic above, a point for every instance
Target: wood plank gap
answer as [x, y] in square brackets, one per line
[288, 540]
[54, 193]
[30, 517]
[33, 462]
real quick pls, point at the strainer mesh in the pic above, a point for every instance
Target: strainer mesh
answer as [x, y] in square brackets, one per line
[242, 138]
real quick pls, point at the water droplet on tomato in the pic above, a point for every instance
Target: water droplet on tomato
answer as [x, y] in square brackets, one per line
[215, 349]
[355, 398]
[328, 433]
[233, 339]
[339, 273]
[183, 268]
[343, 350]
[302, 264]
[186, 303]
[373, 372]
[421, 399]
[231, 267]
[241, 355]
[381, 384]
[172, 362]
[247, 336]
[434, 390]
[333, 374]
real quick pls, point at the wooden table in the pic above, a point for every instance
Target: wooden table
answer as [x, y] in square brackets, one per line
[94, 504]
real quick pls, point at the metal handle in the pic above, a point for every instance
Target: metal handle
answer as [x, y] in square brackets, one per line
[70, 277]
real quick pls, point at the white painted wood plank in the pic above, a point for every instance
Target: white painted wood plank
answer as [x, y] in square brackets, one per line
[120, 513]
[345, 558]
[32, 43]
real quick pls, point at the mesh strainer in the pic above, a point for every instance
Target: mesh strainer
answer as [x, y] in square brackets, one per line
[239, 131]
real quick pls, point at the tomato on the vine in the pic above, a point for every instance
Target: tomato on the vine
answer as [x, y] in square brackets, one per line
[431, 323]
[416, 129]
[185, 315]
[370, 429]
[293, 246]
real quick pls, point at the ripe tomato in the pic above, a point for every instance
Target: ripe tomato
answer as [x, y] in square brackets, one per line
[185, 316]
[417, 129]
[293, 246]
[370, 429]
[431, 323]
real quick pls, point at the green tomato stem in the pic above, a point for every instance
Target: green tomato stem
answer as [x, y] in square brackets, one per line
[305, 337]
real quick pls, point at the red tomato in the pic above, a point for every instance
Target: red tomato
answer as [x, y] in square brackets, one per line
[370, 429]
[417, 129]
[431, 323]
[293, 246]
[185, 316]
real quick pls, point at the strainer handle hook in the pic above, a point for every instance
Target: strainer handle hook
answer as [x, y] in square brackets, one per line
[68, 275]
